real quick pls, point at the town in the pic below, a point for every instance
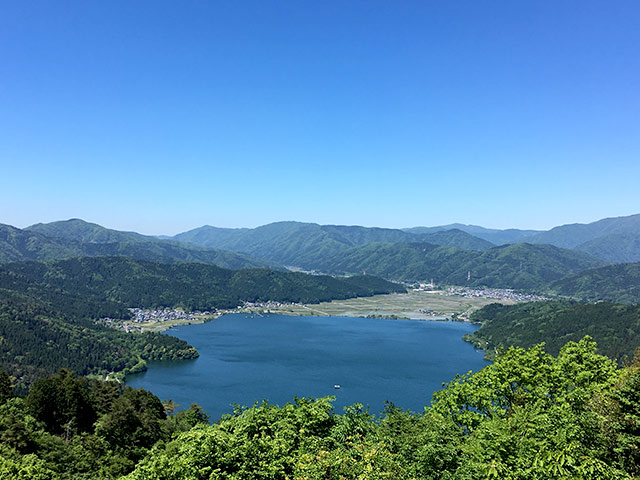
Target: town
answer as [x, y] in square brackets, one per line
[142, 316]
[497, 293]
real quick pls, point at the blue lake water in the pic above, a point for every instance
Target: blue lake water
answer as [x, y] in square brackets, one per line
[248, 358]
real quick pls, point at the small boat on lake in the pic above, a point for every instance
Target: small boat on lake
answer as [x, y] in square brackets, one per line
[336, 386]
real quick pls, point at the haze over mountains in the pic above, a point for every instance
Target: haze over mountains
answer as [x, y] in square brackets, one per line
[610, 239]
[463, 255]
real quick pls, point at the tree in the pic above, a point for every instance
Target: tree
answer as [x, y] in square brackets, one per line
[6, 390]
[62, 402]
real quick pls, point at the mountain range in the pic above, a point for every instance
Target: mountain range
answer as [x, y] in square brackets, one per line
[613, 240]
[77, 238]
[452, 254]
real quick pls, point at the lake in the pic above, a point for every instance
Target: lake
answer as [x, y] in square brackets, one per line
[247, 358]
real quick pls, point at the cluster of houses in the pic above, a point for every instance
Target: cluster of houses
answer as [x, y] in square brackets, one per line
[140, 316]
[497, 293]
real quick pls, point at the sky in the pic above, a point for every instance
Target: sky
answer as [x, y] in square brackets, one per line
[160, 117]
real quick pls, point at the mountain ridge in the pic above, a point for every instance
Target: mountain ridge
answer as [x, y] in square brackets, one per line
[65, 240]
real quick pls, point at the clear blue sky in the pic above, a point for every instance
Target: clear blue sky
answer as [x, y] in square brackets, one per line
[160, 116]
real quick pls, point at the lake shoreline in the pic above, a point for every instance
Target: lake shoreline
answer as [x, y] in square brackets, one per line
[245, 358]
[432, 306]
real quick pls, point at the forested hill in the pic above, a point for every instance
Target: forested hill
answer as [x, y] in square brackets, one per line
[85, 232]
[139, 283]
[616, 283]
[521, 266]
[611, 239]
[38, 339]
[615, 328]
[76, 238]
[306, 245]
[495, 236]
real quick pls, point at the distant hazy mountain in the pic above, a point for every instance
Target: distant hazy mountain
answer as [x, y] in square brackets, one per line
[495, 236]
[615, 247]
[85, 232]
[520, 266]
[456, 238]
[611, 239]
[76, 238]
[17, 244]
[576, 234]
[307, 245]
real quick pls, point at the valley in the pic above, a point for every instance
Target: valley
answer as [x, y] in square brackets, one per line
[413, 305]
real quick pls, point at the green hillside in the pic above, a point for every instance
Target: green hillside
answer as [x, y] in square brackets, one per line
[492, 235]
[615, 247]
[616, 283]
[522, 266]
[519, 266]
[572, 235]
[85, 232]
[39, 338]
[615, 328]
[190, 285]
[76, 238]
[17, 244]
[456, 238]
[308, 245]
[611, 239]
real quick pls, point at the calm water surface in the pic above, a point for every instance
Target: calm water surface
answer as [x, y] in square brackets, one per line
[247, 358]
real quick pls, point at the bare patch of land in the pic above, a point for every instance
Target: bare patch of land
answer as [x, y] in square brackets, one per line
[416, 305]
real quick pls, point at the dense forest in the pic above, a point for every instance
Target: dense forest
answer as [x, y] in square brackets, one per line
[615, 283]
[127, 282]
[36, 340]
[615, 328]
[529, 415]
[519, 266]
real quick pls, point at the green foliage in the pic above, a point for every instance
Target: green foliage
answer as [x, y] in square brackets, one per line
[62, 403]
[621, 418]
[118, 282]
[37, 340]
[527, 416]
[6, 388]
[78, 429]
[185, 420]
[616, 328]
[616, 283]
[254, 443]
